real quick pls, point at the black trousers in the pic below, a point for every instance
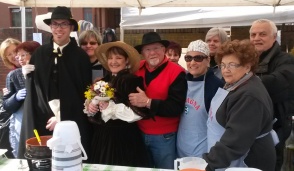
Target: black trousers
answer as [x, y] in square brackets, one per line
[283, 133]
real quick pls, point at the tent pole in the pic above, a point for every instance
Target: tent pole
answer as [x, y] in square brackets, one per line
[23, 23]
[121, 34]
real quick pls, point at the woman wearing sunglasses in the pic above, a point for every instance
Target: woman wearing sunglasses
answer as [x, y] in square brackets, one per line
[89, 41]
[202, 86]
[240, 118]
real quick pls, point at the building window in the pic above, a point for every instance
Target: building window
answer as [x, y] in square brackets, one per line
[16, 17]
[88, 16]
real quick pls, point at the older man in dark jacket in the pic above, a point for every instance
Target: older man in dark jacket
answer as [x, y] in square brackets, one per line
[276, 69]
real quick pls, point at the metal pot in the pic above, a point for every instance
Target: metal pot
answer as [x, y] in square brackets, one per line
[37, 151]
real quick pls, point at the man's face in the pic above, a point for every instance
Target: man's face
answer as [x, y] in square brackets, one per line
[213, 44]
[262, 36]
[154, 54]
[61, 30]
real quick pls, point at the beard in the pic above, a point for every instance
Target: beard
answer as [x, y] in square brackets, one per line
[154, 62]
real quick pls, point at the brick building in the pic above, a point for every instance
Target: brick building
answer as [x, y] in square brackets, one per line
[110, 17]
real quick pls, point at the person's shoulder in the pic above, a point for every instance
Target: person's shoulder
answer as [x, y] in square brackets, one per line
[283, 57]
[213, 79]
[10, 73]
[129, 77]
[82, 52]
[256, 89]
[142, 63]
[253, 87]
[175, 67]
[42, 49]
[14, 74]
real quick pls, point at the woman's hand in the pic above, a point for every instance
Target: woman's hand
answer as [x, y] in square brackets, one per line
[103, 105]
[93, 108]
[51, 123]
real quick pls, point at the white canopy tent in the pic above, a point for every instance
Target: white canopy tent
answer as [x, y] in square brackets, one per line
[196, 17]
[146, 3]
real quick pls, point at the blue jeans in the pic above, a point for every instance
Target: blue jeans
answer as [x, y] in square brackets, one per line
[161, 149]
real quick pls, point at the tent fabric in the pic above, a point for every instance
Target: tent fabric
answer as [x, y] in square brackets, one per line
[196, 17]
[146, 3]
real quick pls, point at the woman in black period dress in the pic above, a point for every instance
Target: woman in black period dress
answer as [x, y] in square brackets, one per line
[117, 139]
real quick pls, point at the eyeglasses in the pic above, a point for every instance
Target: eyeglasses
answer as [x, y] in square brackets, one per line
[61, 25]
[231, 65]
[21, 56]
[86, 43]
[155, 49]
[196, 58]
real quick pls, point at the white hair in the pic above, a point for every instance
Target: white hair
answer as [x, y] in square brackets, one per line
[271, 23]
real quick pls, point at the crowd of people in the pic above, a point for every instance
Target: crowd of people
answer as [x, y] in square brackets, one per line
[232, 106]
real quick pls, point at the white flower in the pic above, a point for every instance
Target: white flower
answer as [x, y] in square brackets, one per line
[96, 87]
[103, 84]
[102, 89]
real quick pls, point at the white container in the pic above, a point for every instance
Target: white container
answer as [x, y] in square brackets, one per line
[66, 147]
[190, 163]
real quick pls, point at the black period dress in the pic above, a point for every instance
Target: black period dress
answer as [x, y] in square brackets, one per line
[118, 142]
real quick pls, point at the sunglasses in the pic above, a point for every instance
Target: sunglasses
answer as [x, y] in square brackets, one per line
[86, 43]
[196, 58]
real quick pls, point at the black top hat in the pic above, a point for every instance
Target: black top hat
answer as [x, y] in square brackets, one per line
[62, 13]
[149, 38]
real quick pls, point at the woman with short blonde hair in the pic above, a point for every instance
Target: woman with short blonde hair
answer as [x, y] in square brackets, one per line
[7, 53]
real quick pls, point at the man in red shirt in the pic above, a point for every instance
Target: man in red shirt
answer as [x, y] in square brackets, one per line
[165, 94]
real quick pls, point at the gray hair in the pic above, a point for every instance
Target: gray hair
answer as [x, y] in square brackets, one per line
[271, 23]
[215, 31]
[88, 34]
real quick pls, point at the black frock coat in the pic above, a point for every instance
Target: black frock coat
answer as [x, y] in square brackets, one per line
[74, 75]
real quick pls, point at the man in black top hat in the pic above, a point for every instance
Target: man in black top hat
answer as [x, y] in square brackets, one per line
[62, 74]
[165, 95]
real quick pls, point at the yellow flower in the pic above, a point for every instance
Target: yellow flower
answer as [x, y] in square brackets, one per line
[88, 94]
[110, 93]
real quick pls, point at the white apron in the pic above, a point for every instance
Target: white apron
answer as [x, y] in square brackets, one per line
[215, 130]
[192, 132]
[14, 129]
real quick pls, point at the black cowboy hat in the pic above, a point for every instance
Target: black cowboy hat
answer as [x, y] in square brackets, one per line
[149, 38]
[62, 12]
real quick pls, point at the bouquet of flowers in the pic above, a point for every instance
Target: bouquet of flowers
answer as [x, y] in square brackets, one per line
[99, 91]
